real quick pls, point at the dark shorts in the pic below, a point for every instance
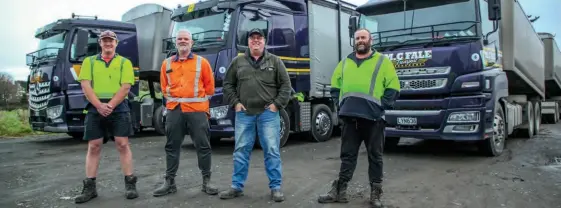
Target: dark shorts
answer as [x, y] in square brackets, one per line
[117, 124]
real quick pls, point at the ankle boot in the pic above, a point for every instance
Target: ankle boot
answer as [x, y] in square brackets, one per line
[88, 192]
[208, 187]
[167, 188]
[338, 193]
[130, 187]
[375, 195]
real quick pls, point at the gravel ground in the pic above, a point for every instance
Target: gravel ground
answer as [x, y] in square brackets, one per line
[419, 174]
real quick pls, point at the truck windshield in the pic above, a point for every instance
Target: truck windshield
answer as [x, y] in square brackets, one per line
[48, 48]
[422, 23]
[207, 27]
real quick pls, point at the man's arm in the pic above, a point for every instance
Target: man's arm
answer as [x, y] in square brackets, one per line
[391, 85]
[86, 82]
[284, 85]
[336, 82]
[230, 83]
[127, 80]
[208, 78]
[163, 80]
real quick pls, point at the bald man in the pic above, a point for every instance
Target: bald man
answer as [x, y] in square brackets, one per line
[188, 109]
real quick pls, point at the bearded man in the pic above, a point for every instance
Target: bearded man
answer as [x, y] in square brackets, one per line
[365, 84]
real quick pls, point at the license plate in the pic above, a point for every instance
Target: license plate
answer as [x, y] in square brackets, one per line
[406, 121]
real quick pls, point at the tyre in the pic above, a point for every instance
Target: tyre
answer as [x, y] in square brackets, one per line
[391, 143]
[495, 145]
[322, 123]
[284, 127]
[158, 121]
[537, 117]
[284, 130]
[215, 140]
[76, 135]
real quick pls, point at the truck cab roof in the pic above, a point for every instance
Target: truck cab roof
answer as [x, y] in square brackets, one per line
[66, 24]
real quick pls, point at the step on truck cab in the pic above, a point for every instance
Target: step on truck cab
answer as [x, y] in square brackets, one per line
[470, 70]
[302, 33]
[56, 101]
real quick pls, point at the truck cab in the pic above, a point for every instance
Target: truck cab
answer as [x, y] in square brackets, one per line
[56, 100]
[470, 70]
[295, 30]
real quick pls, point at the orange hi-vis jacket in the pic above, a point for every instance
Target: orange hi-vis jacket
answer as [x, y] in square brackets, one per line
[188, 83]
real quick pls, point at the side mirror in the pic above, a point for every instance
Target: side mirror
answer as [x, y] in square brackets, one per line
[494, 9]
[353, 25]
[82, 43]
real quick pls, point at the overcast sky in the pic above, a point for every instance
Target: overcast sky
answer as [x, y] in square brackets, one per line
[20, 19]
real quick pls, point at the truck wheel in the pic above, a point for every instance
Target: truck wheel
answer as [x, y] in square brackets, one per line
[322, 123]
[76, 135]
[391, 143]
[556, 117]
[158, 121]
[556, 114]
[284, 127]
[284, 130]
[494, 146]
[537, 117]
[530, 116]
[214, 140]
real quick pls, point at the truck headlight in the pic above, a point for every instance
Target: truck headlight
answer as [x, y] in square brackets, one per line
[470, 84]
[54, 112]
[219, 112]
[466, 116]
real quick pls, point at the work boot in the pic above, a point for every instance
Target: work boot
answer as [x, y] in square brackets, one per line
[208, 187]
[88, 192]
[230, 193]
[375, 194]
[277, 195]
[338, 193]
[130, 187]
[167, 188]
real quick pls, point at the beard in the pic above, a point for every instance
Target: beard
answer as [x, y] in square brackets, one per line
[362, 50]
[183, 48]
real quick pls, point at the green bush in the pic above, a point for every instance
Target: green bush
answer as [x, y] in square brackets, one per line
[15, 123]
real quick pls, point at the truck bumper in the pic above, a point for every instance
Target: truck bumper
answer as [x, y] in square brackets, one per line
[454, 121]
[65, 121]
[222, 128]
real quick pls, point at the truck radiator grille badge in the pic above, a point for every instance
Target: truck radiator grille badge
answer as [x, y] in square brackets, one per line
[39, 94]
[422, 84]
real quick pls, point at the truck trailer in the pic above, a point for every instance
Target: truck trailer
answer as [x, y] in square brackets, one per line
[310, 36]
[550, 107]
[56, 101]
[470, 70]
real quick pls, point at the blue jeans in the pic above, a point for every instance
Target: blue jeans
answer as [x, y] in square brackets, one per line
[268, 130]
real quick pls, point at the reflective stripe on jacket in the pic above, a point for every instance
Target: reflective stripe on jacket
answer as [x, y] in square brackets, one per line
[188, 83]
[374, 80]
[107, 78]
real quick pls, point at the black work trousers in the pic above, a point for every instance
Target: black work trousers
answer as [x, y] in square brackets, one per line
[356, 130]
[177, 124]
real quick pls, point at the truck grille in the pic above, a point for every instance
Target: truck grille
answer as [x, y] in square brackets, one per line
[39, 94]
[422, 84]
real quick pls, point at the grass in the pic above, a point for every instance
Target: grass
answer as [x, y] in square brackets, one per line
[15, 124]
